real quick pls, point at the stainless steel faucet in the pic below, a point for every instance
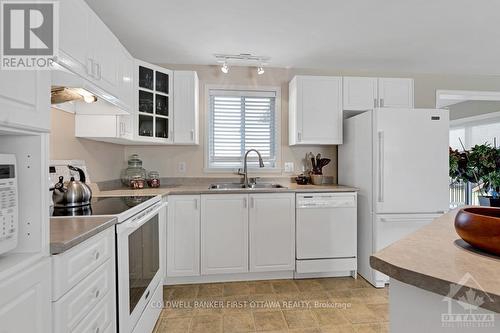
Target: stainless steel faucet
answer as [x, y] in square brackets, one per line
[245, 168]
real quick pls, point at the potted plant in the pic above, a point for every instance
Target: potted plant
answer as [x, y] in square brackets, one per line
[480, 165]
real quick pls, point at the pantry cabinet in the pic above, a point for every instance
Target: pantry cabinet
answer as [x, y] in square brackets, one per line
[183, 236]
[272, 232]
[224, 233]
[315, 110]
[366, 93]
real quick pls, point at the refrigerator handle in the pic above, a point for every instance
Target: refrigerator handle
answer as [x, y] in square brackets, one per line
[380, 166]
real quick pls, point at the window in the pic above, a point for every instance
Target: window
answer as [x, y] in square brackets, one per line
[240, 120]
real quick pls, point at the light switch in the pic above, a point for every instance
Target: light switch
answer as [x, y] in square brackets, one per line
[289, 167]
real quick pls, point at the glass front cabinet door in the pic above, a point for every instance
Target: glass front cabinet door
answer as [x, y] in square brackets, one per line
[154, 107]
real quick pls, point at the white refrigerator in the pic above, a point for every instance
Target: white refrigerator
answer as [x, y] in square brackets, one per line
[398, 159]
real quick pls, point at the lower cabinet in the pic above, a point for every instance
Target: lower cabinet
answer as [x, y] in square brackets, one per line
[230, 233]
[183, 236]
[224, 233]
[25, 300]
[272, 232]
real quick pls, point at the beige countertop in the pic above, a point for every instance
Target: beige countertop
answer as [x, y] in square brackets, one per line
[202, 188]
[435, 258]
[66, 232]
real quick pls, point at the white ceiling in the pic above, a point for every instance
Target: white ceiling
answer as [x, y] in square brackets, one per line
[419, 36]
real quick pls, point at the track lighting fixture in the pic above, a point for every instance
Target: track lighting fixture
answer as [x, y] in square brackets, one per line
[260, 70]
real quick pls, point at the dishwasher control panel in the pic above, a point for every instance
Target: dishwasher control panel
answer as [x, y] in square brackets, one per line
[326, 200]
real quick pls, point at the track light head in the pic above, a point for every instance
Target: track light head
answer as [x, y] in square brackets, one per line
[224, 68]
[260, 70]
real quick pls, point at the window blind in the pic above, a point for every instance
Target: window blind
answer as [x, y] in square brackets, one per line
[239, 121]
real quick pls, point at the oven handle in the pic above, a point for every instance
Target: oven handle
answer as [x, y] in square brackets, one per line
[137, 221]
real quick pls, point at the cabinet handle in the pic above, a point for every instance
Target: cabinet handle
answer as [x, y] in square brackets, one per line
[96, 255]
[244, 202]
[98, 71]
[196, 204]
[90, 67]
[299, 136]
[381, 102]
[97, 330]
[380, 166]
[95, 294]
[192, 135]
[252, 202]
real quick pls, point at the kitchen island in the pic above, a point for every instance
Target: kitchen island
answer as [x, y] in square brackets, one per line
[439, 283]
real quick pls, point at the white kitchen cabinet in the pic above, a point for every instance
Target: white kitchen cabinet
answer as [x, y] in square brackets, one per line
[186, 106]
[272, 232]
[90, 50]
[25, 302]
[106, 128]
[366, 93]
[25, 99]
[74, 26]
[395, 93]
[360, 93]
[315, 110]
[224, 233]
[183, 236]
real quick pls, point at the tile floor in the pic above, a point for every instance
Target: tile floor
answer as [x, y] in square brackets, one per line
[315, 305]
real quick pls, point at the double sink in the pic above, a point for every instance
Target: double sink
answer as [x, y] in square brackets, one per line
[240, 186]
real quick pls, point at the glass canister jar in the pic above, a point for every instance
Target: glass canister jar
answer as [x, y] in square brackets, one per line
[154, 179]
[134, 176]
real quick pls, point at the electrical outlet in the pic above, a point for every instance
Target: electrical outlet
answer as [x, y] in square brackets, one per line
[289, 167]
[181, 167]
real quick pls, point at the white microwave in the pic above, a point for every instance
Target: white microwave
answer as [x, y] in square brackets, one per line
[8, 203]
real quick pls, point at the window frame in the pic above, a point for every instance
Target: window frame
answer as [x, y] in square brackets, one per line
[278, 133]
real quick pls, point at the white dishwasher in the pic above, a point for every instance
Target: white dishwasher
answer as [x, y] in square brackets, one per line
[326, 234]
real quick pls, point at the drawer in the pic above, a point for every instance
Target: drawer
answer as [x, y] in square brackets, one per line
[102, 318]
[72, 266]
[69, 310]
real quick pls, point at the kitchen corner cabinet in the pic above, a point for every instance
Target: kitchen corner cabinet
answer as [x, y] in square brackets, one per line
[153, 107]
[272, 232]
[25, 304]
[183, 236]
[366, 93]
[25, 99]
[315, 110]
[224, 233]
[186, 106]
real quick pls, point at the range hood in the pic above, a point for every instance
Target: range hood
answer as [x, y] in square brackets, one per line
[70, 92]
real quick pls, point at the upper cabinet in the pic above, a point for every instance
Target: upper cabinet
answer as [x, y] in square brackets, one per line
[186, 105]
[366, 93]
[91, 51]
[395, 93]
[25, 99]
[154, 103]
[315, 110]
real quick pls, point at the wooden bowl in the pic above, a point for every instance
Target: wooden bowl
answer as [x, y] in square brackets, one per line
[480, 227]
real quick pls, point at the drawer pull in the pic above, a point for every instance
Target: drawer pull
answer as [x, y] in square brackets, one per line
[97, 330]
[97, 255]
[96, 293]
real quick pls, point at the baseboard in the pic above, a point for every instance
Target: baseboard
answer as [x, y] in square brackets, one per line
[229, 277]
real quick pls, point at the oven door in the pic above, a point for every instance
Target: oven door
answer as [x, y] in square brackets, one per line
[139, 263]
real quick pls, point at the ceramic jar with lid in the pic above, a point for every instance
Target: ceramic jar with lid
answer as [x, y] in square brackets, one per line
[134, 176]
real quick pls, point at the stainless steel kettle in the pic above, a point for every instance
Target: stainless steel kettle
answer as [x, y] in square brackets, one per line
[74, 193]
